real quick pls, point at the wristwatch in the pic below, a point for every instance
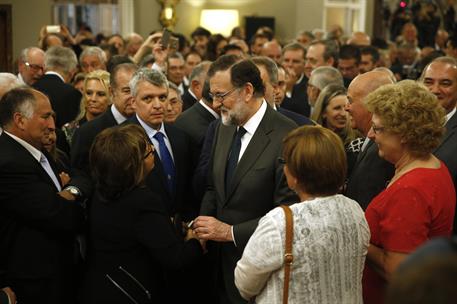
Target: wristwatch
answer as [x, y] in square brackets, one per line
[73, 190]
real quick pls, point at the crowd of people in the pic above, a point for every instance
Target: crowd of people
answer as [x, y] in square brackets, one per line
[151, 170]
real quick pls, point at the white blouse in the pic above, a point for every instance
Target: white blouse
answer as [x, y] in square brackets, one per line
[331, 238]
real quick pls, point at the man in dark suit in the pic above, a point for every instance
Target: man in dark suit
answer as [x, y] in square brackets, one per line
[440, 77]
[175, 71]
[293, 60]
[196, 82]
[175, 159]
[269, 74]
[247, 179]
[120, 111]
[60, 65]
[371, 173]
[38, 221]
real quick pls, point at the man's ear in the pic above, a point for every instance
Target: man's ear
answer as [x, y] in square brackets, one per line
[248, 90]
[19, 121]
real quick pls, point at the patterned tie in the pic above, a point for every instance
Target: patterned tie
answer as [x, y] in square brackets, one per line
[232, 161]
[167, 161]
[47, 167]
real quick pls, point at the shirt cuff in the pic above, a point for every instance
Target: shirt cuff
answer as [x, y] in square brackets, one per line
[233, 235]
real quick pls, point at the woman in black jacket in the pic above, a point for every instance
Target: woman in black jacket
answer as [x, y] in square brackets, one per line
[132, 241]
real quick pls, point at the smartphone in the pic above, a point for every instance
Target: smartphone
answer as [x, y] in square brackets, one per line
[174, 43]
[52, 29]
[166, 35]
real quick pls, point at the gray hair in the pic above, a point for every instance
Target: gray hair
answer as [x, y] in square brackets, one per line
[175, 88]
[325, 75]
[24, 56]
[200, 70]
[59, 57]
[8, 82]
[152, 76]
[18, 100]
[93, 51]
[270, 67]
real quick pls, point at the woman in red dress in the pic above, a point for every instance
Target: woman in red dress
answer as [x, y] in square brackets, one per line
[418, 203]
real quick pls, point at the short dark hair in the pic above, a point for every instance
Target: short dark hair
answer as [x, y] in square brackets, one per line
[231, 47]
[206, 91]
[116, 60]
[270, 67]
[246, 71]
[370, 50]
[121, 67]
[118, 173]
[200, 31]
[326, 150]
[22, 100]
[350, 51]
[330, 48]
[294, 46]
[222, 63]
[257, 35]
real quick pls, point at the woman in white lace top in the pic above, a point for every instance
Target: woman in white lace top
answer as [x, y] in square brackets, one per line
[331, 235]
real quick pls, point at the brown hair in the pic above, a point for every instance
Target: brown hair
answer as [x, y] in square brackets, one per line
[315, 156]
[117, 160]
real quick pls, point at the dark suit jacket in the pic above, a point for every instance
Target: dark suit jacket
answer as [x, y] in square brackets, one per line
[81, 143]
[447, 152]
[188, 100]
[37, 226]
[258, 186]
[194, 123]
[181, 200]
[133, 232]
[65, 99]
[369, 176]
[299, 119]
[298, 102]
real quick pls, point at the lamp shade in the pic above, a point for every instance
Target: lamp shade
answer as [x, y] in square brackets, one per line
[219, 21]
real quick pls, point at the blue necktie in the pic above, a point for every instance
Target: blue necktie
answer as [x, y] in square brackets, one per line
[167, 161]
[232, 161]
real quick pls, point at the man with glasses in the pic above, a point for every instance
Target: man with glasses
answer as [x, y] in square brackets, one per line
[246, 178]
[31, 65]
[371, 173]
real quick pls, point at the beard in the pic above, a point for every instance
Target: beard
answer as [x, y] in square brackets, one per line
[234, 116]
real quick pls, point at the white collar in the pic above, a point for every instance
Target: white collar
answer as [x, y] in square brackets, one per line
[253, 123]
[151, 131]
[300, 79]
[117, 115]
[55, 73]
[450, 114]
[32, 150]
[192, 93]
[208, 108]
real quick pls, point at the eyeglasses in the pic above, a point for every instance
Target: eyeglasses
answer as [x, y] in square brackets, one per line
[35, 67]
[281, 160]
[151, 150]
[377, 130]
[221, 96]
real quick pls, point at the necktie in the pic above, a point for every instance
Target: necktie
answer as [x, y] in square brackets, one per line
[167, 161]
[232, 161]
[47, 167]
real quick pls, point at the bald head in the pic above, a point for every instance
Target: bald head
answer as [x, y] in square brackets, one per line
[273, 50]
[359, 88]
[359, 38]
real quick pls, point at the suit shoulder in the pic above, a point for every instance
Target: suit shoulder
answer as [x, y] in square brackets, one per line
[281, 121]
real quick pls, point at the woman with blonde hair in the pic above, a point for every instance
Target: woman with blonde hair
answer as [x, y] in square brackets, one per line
[96, 100]
[419, 201]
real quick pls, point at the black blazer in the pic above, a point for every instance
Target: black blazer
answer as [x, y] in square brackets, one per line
[188, 100]
[182, 199]
[194, 122]
[81, 143]
[298, 102]
[258, 185]
[37, 226]
[369, 177]
[447, 152]
[65, 99]
[133, 242]
[299, 119]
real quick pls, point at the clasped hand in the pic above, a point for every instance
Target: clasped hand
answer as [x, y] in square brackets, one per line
[210, 228]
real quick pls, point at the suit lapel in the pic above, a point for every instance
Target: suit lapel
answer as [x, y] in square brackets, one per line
[451, 126]
[223, 144]
[363, 153]
[256, 146]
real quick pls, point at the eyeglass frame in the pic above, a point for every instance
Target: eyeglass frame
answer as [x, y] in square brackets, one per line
[150, 151]
[34, 66]
[221, 96]
[377, 130]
